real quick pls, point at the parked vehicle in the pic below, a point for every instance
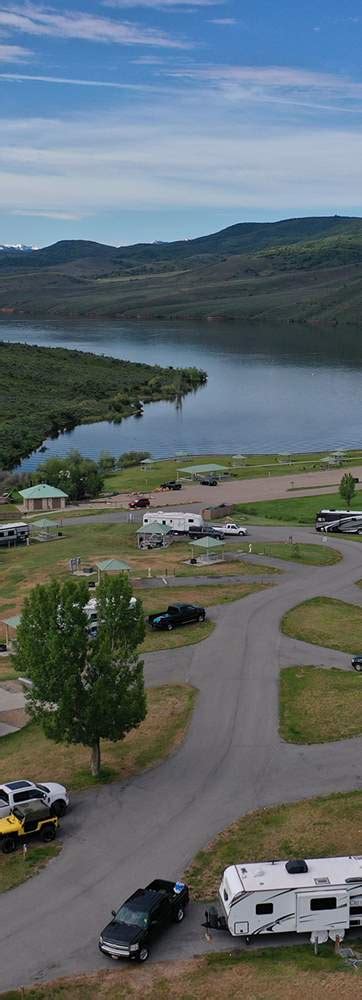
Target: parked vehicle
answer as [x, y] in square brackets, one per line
[231, 528]
[22, 823]
[357, 662]
[140, 502]
[179, 522]
[177, 614]
[142, 918]
[19, 793]
[172, 485]
[206, 530]
[209, 481]
[15, 533]
[321, 895]
[347, 521]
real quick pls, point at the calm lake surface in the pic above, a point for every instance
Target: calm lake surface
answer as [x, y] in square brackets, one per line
[290, 389]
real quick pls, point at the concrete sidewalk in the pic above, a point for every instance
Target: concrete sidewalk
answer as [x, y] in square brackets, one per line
[12, 703]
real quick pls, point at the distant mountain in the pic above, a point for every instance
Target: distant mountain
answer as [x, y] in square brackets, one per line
[299, 270]
[15, 248]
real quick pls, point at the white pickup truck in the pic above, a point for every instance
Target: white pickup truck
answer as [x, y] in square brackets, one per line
[231, 528]
[17, 793]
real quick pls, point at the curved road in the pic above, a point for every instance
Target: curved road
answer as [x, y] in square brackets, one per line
[232, 761]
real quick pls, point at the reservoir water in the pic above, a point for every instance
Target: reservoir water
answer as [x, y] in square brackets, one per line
[286, 389]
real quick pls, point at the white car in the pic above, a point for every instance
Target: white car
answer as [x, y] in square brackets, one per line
[17, 793]
[231, 528]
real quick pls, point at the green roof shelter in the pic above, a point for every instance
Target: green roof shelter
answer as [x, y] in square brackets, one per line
[42, 497]
[11, 624]
[210, 546]
[44, 528]
[112, 566]
[195, 471]
[151, 535]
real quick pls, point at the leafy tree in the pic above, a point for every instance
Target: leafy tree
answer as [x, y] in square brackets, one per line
[83, 690]
[106, 461]
[129, 458]
[79, 477]
[347, 489]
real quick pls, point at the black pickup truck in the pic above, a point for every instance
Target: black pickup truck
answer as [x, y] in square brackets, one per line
[205, 531]
[142, 918]
[177, 614]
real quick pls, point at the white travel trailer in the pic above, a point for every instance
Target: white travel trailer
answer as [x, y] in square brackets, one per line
[179, 522]
[14, 533]
[321, 896]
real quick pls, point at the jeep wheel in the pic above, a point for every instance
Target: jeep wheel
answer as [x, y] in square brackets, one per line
[58, 808]
[179, 915]
[143, 954]
[48, 833]
[9, 845]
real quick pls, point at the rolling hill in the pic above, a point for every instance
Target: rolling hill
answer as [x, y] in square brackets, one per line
[297, 270]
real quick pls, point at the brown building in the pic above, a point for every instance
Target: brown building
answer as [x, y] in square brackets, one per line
[42, 497]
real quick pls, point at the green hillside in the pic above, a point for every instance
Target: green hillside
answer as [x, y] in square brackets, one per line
[297, 270]
[44, 390]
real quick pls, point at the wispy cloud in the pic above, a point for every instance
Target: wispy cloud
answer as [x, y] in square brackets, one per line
[74, 82]
[37, 20]
[171, 5]
[226, 21]
[14, 54]
[48, 214]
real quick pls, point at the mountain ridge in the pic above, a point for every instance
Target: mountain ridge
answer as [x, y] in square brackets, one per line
[294, 270]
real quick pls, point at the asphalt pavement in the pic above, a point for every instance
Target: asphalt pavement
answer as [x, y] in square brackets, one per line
[122, 835]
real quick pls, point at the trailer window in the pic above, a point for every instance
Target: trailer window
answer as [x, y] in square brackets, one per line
[264, 908]
[323, 903]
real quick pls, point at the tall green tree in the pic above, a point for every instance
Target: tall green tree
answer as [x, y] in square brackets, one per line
[83, 690]
[347, 489]
[79, 477]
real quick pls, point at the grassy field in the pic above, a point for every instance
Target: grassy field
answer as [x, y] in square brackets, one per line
[318, 706]
[311, 555]
[321, 827]
[265, 974]
[296, 510]
[326, 622]
[35, 402]
[15, 869]
[188, 635]
[169, 712]
[142, 480]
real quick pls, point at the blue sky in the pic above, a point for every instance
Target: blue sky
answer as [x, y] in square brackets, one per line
[136, 120]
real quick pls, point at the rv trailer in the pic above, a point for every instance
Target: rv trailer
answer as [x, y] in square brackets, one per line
[179, 522]
[320, 896]
[15, 533]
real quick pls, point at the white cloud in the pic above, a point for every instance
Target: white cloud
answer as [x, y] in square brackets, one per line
[226, 21]
[176, 156]
[37, 20]
[171, 5]
[48, 214]
[14, 54]
[74, 81]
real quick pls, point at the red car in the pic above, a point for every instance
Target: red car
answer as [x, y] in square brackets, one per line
[141, 502]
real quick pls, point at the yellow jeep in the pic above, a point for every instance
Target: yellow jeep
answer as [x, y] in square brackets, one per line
[24, 822]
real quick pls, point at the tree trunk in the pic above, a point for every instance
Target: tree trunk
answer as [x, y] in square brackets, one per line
[95, 761]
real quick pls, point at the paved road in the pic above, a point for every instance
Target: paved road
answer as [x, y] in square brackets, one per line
[232, 761]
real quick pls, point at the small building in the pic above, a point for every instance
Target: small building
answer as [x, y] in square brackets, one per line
[42, 497]
[154, 536]
[112, 566]
[44, 529]
[211, 549]
[11, 625]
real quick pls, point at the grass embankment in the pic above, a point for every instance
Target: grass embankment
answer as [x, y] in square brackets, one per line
[319, 706]
[268, 974]
[296, 510]
[15, 869]
[186, 635]
[169, 712]
[313, 828]
[36, 402]
[142, 480]
[326, 621]
[309, 554]
[7, 673]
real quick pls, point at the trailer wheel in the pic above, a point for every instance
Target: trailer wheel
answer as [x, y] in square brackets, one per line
[358, 667]
[247, 939]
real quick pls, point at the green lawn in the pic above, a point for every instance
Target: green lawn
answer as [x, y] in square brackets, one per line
[318, 706]
[320, 827]
[170, 709]
[187, 635]
[326, 621]
[258, 974]
[296, 510]
[14, 868]
[311, 555]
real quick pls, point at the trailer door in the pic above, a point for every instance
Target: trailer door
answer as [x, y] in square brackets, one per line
[322, 910]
